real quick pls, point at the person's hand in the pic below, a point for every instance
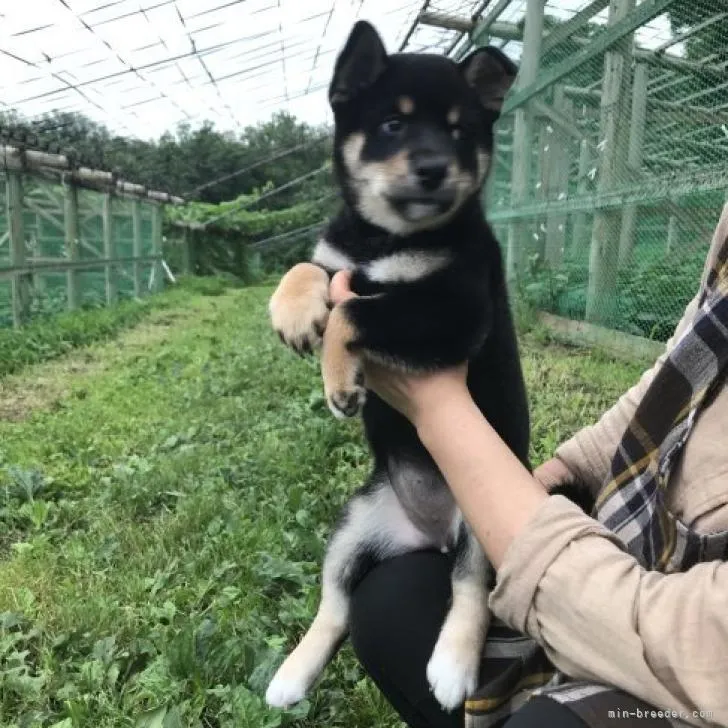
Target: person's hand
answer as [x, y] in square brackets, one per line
[418, 395]
[552, 473]
[411, 394]
[340, 287]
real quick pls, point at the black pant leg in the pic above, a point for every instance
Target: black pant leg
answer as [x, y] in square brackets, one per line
[397, 612]
[541, 712]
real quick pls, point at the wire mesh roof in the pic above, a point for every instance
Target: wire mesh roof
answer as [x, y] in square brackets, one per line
[143, 66]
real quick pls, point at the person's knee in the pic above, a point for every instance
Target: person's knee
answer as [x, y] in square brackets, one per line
[400, 602]
[397, 612]
[542, 712]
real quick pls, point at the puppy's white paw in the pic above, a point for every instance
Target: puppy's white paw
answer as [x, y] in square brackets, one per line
[453, 673]
[284, 691]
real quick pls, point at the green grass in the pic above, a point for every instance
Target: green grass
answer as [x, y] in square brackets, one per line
[165, 499]
[50, 336]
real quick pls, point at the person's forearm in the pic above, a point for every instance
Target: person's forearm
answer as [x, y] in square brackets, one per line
[481, 470]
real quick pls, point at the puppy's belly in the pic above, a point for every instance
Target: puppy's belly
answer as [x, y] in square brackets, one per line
[426, 500]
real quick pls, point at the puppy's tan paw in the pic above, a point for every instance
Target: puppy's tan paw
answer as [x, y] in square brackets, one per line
[342, 368]
[346, 402]
[299, 308]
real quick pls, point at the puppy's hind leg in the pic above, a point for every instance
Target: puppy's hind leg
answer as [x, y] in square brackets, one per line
[329, 628]
[453, 668]
[373, 526]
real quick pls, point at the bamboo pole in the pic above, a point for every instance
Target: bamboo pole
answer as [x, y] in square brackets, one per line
[655, 190]
[70, 215]
[557, 183]
[188, 255]
[672, 234]
[39, 283]
[157, 271]
[33, 161]
[614, 126]
[511, 31]
[634, 159]
[136, 224]
[580, 230]
[60, 265]
[537, 244]
[696, 114]
[20, 289]
[523, 139]
[22, 268]
[109, 248]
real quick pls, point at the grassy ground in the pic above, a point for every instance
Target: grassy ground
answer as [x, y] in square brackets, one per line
[164, 503]
[49, 336]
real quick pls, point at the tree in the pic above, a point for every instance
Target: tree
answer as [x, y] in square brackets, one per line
[186, 159]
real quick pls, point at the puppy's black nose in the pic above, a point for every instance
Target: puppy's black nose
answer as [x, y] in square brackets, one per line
[430, 170]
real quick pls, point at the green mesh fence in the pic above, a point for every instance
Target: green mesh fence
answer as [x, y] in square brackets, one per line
[611, 166]
[36, 276]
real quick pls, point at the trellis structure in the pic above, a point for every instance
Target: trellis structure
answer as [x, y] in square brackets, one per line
[73, 236]
[610, 168]
[612, 154]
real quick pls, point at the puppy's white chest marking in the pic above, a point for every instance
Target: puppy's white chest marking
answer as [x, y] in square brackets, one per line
[326, 255]
[405, 267]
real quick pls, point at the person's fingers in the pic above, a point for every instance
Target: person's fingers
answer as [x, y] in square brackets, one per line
[552, 473]
[340, 287]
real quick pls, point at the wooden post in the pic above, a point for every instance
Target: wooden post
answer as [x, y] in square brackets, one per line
[20, 289]
[634, 158]
[557, 182]
[109, 248]
[39, 282]
[536, 244]
[523, 139]
[187, 254]
[157, 277]
[614, 126]
[70, 215]
[672, 234]
[580, 230]
[136, 223]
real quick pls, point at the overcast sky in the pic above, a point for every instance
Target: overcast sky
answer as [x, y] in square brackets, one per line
[138, 72]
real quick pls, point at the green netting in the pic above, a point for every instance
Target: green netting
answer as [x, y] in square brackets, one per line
[608, 183]
[44, 210]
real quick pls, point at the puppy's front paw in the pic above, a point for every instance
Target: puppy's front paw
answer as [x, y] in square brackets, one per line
[453, 673]
[299, 308]
[346, 402]
[341, 367]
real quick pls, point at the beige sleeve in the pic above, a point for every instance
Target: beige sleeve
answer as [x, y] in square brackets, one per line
[588, 454]
[600, 616]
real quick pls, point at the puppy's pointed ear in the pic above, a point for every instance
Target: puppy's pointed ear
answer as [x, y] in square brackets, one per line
[491, 73]
[359, 65]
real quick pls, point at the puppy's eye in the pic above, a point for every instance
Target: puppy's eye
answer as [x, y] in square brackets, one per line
[392, 126]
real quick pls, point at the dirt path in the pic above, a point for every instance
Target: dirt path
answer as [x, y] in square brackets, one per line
[45, 386]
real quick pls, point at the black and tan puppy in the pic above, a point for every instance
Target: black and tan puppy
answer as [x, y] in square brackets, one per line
[413, 145]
